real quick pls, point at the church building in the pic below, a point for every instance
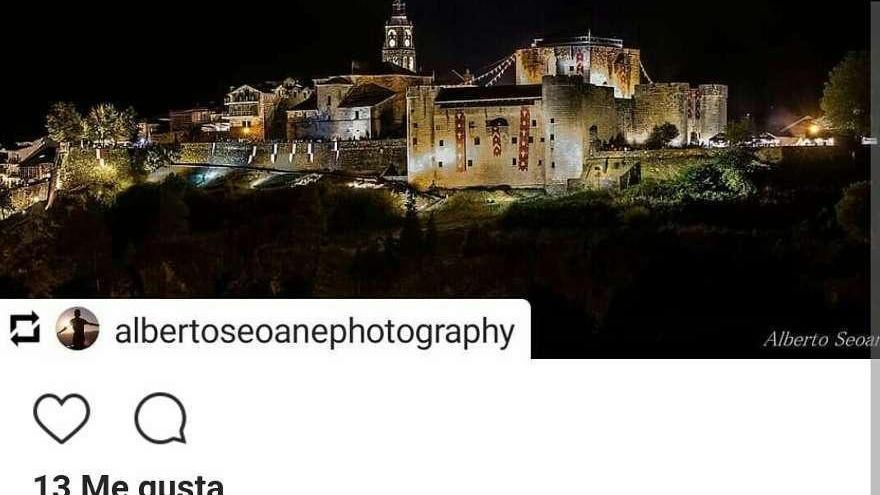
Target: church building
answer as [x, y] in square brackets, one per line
[369, 102]
[400, 48]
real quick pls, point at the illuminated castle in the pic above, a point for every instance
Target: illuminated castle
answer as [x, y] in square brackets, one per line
[572, 98]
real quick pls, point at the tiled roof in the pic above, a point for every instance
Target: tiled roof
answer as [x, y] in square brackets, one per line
[472, 94]
[310, 104]
[367, 95]
[336, 80]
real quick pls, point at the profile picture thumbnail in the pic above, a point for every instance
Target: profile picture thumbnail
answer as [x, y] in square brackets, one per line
[77, 328]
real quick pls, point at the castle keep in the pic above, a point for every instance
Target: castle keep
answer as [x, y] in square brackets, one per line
[598, 61]
[572, 97]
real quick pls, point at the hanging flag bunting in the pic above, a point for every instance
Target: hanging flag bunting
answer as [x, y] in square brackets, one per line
[460, 141]
[525, 123]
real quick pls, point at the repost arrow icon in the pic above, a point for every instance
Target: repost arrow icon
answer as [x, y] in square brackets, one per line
[17, 339]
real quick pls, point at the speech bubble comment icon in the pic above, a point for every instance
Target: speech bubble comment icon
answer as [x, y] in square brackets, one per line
[161, 419]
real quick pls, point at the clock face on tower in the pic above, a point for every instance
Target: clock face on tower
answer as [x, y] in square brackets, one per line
[400, 44]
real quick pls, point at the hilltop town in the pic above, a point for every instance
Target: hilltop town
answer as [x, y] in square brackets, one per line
[629, 212]
[560, 115]
[570, 100]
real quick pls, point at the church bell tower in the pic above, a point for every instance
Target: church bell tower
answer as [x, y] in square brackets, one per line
[400, 45]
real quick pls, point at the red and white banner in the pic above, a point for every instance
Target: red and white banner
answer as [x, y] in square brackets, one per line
[460, 141]
[525, 123]
[496, 140]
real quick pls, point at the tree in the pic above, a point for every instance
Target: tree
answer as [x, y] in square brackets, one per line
[125, 127]
[101, 122]
[411, 233]
[431, 237]
[661, 136]
[853, 214]
[846, 99]
[105, 123]
[740, 131]
[7, 207]
[64, 123]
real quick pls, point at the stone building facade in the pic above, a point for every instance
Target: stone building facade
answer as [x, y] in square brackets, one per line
[534, 136]
[257, 112]
[370, 104]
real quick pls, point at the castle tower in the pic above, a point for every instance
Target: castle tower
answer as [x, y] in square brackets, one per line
[400, 45]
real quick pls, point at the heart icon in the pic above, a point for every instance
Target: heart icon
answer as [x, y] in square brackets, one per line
[62, 418]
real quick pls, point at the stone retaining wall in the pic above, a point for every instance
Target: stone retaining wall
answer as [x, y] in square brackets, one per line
[347, 157]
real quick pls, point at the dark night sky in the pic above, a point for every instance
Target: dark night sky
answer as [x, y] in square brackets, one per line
[159, 55]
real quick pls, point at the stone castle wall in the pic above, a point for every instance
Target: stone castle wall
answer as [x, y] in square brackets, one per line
[656, 104]
[565, 133]
[564, 126]
[711, 119]
[698, 113]
[361, 158]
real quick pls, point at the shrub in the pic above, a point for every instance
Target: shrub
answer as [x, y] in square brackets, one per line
[661, 136]
[584, 209]
[852, 211]
[155, 156]
[728, 177]
[636, 215]
[101, 180]
[355, 210]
